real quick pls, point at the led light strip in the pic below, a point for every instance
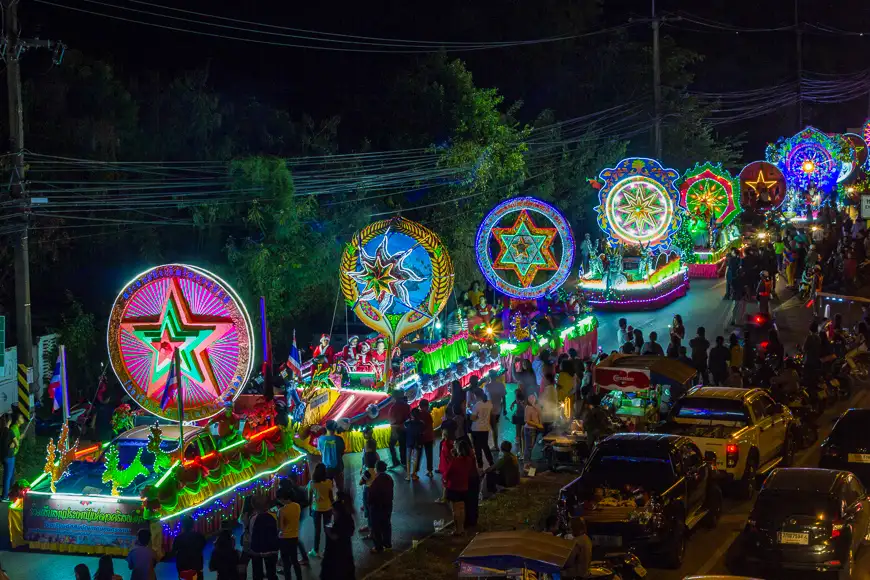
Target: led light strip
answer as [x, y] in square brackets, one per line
[642, 300]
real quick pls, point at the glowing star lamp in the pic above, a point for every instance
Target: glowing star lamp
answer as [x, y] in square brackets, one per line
[808, 166]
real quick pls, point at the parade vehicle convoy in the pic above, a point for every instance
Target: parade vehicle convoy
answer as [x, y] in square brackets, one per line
[645, 491]
[742, 433]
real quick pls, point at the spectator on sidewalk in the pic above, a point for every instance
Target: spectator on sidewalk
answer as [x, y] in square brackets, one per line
[338, 558]
[331, 448]
[142, 559]
[381, 509]
[413, 444]
[480, 425]
[264, 541]
[456, 481]
[225, 561]
[106, 569]
[496, 392]
[321, 494]
[399, 413]
[288, 534]
[188, 547]
[428, 436]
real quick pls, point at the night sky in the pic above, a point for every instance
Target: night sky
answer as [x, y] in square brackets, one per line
[324, 83]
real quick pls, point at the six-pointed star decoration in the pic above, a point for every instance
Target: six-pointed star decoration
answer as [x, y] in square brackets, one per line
[177, 328]
[525, 248]
[383, 276]
[640, 207]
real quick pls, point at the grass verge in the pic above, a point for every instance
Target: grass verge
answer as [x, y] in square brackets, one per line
[522, 508]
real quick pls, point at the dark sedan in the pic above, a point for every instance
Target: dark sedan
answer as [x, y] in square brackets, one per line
[807, 519]
[848, 445]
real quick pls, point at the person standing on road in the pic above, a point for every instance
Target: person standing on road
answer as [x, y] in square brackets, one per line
[331, 448]
[497, 395]
[224, 556]
[718, 361]
[622, 333]
[480, 426]
[678, 329]
[321, 493]
[674, 347]
[456, 482]
[413, 444]
[428, 435]
[188, 547]
[532, 427]
[699, 345]
[12, 444]
[652, 347]
[338, 558]
[288, 534]
[399, 413]
[142, 559]
[264, 541]
[106, 569]
[381, 509]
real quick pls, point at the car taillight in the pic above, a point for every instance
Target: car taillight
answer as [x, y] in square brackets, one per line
[836, 529]
[732, 454]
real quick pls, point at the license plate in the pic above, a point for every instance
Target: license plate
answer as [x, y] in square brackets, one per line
[608, 541]
[794, 538]
[859, 457]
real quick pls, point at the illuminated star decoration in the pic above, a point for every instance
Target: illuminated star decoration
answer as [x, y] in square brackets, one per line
[525, 249]
[640, 208]
[383, 276]
[177, 328]
[760, 182]
[708, 195]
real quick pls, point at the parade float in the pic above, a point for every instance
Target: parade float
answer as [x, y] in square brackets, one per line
[396, 276]
[708, 230]
[639, 214]
[525, 250]
[182, 346]
[813, 163]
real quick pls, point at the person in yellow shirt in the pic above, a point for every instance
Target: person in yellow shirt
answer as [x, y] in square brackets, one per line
[288, 534]
[321, 494]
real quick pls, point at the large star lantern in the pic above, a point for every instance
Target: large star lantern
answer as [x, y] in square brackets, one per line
[178, 329]
[640, 207]
[383, 276]
[525, 248]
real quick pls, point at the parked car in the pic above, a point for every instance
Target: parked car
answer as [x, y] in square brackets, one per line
[645, 491]
[745, 429]
[807, 519]
[848, 445]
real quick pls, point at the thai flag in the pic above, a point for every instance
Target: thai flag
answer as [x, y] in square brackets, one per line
[171, 388]
[294, 361]
[55, 392]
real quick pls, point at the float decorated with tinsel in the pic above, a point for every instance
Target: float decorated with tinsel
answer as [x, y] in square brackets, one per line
[182, 346]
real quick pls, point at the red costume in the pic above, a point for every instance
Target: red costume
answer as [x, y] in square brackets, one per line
[326, 351]
[349, 353]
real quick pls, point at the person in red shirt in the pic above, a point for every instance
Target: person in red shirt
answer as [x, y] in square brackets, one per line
[323, 349]
[428, 435]
[349, 352]
[400, 410]
[456, 480]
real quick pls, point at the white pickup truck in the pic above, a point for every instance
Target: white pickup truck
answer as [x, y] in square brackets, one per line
[742, 432]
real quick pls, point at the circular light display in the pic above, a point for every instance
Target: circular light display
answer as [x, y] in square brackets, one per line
[638, 203]
[709, 190]
[762, 186]
[396, 275]
[525, 248]
[860, 148]
[185, 311]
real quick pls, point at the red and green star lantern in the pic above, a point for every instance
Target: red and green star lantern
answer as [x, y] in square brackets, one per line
[708, 190]
[183, 310]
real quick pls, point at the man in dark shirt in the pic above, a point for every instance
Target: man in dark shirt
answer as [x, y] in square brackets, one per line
[699, 345]
[732, 275]
[400, 410]
[380, 504]
[188, 547]
[718, 361]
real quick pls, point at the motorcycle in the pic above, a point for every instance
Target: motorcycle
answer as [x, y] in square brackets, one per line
[617, 566]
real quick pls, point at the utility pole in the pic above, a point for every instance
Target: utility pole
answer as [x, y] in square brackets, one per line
[13, 47]
[800, 66]
[657, 83]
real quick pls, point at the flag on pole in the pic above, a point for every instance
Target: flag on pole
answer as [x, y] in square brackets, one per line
[54, 386]
[172, 386]
[294, 361]
[61, 395]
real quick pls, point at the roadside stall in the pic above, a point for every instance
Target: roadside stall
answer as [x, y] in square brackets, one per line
[517, 555]
[637, 388]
